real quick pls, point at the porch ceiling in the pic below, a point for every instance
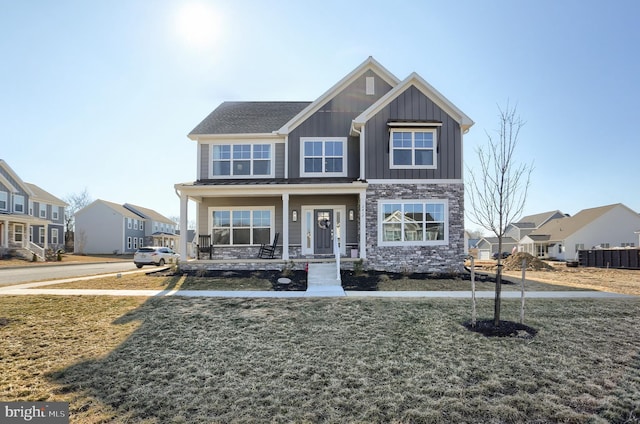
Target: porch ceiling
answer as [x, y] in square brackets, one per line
[24, 219]
[275, 190]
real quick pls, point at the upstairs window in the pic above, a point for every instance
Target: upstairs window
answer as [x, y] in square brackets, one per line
[4, 200]
[55, 214]
[413, 149]
[43, 210]
[241, 160]
[323, 157]
[18, 203]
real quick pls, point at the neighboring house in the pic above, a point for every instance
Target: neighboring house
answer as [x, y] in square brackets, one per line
[159, 230]
[529, 223]
[602, 227]
[31, 219]
[191, 243]
[374, 161]
[514, 232]
[487, 246]
[105, 227]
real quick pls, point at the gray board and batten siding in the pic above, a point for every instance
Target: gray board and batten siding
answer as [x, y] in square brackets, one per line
[15, 185]
[334, 119]
[413, 105]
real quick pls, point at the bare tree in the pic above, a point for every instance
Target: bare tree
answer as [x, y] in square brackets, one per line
[498, 190]
[76, 201]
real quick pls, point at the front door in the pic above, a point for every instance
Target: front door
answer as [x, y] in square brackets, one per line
[323, 231]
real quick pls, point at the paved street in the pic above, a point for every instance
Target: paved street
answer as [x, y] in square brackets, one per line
[45, 272]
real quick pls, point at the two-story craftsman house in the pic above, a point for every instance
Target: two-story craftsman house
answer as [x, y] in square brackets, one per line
[31, 219]
[374, 161]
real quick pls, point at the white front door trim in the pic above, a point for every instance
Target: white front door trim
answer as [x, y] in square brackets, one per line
[307, 233]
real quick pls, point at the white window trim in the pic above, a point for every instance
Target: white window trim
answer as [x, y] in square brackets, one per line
[22, 231]
[272, 160]
[41, 235]
[342, 209]
[55, 237]
[42, 210]
[443, 242]
[129, 224]
[141, 225]
[4, 197]
[232, 209]
[324, 174]
[129, 242]
[16, 203]
[55, 213]
[434, 131]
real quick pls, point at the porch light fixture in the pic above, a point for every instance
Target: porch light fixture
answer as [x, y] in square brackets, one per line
[352, 215]
[294, 216]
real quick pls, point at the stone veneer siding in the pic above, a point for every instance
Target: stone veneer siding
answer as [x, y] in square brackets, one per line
[436, 259]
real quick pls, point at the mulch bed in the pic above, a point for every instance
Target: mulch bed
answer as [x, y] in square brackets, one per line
[366, 281]
[505, 329]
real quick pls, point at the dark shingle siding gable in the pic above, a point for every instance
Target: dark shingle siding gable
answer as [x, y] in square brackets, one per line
[248, 117]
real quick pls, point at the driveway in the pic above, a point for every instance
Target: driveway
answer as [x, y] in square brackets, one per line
[10, 276]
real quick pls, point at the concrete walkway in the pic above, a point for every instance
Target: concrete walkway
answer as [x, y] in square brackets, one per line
[24, 289]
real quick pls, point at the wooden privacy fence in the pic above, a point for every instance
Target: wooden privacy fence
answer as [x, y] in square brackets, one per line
[610, 258]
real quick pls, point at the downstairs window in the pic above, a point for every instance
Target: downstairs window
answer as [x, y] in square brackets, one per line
[413, 222]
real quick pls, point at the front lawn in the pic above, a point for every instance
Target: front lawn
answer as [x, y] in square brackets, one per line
[174, 359]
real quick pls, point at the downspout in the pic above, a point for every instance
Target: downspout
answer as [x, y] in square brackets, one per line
[360, 133]
[286, 156]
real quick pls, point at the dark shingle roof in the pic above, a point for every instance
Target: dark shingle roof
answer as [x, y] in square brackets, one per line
[248, 117]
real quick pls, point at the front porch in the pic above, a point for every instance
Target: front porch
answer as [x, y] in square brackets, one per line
[17, 233]
[307, 218]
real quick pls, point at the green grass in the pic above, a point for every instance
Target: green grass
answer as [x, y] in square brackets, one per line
[325, 360]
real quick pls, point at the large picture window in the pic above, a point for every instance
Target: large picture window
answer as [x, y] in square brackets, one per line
[241, 160]
[323, 157]
[413, 149]
[414, 222]
[242, 226]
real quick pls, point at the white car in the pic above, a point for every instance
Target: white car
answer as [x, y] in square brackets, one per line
[156, 255]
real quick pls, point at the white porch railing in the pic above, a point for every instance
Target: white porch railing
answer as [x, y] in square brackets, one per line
[336, 252]
[36, 250]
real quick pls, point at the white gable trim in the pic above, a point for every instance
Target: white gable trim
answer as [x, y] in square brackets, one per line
[15, 176]
[434, 95]
[369, 64]
[8, 184]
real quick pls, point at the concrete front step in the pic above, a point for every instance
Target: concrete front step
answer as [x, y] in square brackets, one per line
[322, 280]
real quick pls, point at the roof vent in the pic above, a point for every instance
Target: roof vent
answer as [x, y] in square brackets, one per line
[371, 86]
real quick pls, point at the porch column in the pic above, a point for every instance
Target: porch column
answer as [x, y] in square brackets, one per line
[285, 226]
[363, 225]
[184, 216]
[5, 234]
[46, 237]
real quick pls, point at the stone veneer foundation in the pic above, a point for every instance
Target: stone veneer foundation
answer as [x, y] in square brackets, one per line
[437, 259]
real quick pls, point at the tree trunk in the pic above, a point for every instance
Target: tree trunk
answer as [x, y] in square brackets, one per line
[473, 294]
[497, 301]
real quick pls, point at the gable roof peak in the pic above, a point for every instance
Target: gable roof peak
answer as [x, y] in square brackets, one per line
[414, 79]
[370, 64]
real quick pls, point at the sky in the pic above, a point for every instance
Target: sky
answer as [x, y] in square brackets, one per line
[100, 95]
